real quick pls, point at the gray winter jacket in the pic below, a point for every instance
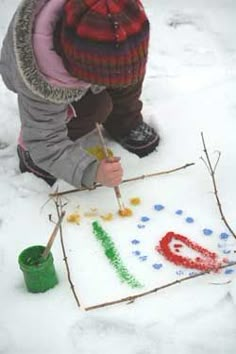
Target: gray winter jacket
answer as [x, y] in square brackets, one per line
[42, 106]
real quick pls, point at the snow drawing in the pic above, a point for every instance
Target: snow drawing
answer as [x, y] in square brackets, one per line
[163, 246]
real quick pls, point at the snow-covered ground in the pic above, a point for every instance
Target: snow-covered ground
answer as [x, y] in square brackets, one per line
[190, 88]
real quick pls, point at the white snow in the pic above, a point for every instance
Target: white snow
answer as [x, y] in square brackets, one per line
[189, 88]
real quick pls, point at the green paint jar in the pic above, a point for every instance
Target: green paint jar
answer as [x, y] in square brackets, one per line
[39, 273]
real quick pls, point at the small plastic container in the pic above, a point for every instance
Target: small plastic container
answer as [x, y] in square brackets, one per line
[39, 273]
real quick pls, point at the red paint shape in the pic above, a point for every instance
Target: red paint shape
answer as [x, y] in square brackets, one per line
[178, 245]
[207, 261]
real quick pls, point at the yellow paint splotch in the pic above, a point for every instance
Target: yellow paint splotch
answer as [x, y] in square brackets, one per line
[135, 201]
[107, 217]
[73, 218]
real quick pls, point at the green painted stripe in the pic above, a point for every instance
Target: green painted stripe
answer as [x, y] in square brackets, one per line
[112, 254]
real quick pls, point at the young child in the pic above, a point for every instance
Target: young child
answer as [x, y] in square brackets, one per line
[72, 64]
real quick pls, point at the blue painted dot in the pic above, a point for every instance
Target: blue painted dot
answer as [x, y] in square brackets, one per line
[179, 212]
[189, 220]
[145, 219]
[143, 258]
[179, 272]
[157, 265]
[136, 253]
[207, 232]
[226, 251]
[224, 236]
[158, 207]
[141, 226]
[229, 271]
[135, 242]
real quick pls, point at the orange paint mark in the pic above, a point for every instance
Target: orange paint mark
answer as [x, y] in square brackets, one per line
[135, 201]
[125, 212]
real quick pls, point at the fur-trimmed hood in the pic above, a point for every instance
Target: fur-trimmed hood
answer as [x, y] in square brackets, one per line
[26, 62]
[43, 107]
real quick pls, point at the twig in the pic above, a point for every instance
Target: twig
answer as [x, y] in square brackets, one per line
[106, 153]
[152, 291]
[212, 174]
[53, 236]
[59, 213]
[161, 173]
[217, 160]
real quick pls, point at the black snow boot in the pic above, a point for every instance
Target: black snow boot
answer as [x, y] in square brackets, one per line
[141, 140]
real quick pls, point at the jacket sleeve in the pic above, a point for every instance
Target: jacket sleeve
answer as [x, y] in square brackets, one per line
[44, 133]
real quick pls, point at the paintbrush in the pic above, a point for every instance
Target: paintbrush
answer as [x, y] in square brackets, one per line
[106, 153]
[53, 236]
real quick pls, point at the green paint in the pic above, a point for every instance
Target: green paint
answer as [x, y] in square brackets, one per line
[112, 254]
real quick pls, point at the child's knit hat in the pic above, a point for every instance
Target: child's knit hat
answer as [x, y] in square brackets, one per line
[105, 42]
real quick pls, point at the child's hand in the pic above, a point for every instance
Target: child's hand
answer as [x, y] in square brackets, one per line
[110, 172]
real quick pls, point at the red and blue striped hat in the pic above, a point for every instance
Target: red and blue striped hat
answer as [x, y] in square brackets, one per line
[105, 42]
